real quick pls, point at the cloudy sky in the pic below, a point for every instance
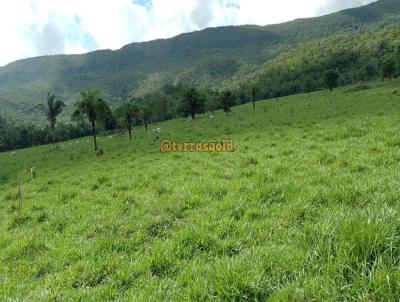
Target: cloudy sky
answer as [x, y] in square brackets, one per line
[42, 27]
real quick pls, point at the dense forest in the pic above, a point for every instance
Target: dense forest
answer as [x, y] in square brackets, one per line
[356, 58]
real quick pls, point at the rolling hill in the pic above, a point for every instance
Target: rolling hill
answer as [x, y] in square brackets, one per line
[214, 58]
[306, 209]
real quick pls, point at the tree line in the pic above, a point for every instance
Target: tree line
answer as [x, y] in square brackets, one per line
[92, 114]
[328, 63]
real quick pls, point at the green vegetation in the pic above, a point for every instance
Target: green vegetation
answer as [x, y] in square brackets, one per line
[52, 110]
[250, 62]
[356, 58]
[335, 61]
[145, 113]
[227, 101]
[129, 112]
[331, 78]
[192, 103]
[94, 108]
[306, 209]
[220, 59]
[17, 135]
[254, 91]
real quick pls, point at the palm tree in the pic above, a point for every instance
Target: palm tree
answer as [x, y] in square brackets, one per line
[128, 112]
[94, 108]
[52, 110]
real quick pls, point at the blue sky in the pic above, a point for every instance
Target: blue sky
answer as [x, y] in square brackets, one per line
[46, 27]
[145, 3]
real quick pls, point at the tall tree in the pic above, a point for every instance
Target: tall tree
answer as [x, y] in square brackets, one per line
[331, 79]
[109, 121]
[226, 101]
[145, 113]
[389, 70]
[81, 123]
[128, 113]
[192, 103]
[254, 91]
[211, 101]
[94, 108]
[52, 110]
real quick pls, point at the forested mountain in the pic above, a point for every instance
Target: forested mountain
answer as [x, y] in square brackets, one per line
[215, 58]
[356, 59]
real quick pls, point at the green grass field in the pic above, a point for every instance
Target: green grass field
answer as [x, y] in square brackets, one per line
[306, 209]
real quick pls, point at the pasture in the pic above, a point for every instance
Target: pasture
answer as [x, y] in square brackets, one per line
[306, 209]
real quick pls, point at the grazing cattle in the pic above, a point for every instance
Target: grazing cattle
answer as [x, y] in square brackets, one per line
[99, 152]
[13, 153]
[211, 116]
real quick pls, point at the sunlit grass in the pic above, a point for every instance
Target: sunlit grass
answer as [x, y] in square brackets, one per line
[306, 209]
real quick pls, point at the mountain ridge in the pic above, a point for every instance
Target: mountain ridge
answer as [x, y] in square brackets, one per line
[210, 58]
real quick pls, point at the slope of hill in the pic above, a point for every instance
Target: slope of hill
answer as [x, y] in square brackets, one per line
[306, 209]
[216, 57]
[356, 57]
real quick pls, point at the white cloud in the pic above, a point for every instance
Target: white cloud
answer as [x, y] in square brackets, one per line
[39, 27]
[329, 6]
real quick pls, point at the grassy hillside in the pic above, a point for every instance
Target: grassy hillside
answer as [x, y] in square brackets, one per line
[213, 58]
[306, 209]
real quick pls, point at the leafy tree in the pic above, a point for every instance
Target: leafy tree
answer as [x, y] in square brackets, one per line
[52, 110]
[94, 108]
[254, 91]
[242, 94]
[110, 122]
[128, 112]
[161, 106]
[15, 136]
[145, 113]
[192, 103]
[226, 101]
[4, 129]
[331, 79]
[383, 48]
[81, 123]
[367, 70]
[389, 69]
[211, 101]
[308, 84]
